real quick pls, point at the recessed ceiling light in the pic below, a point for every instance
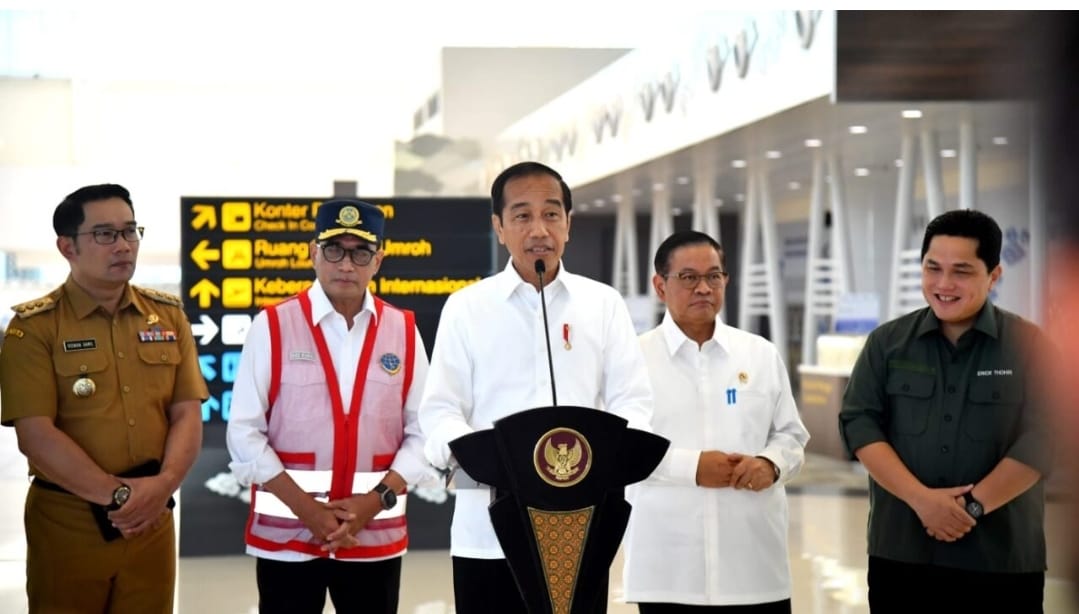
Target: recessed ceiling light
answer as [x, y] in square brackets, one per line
[718, 202]
[1000, 140]
[858, 129]
[738, 163]
[599, 202]
[583, 208]
[683, 180]
[794, 185]
[616, 198]
[636, 191]
[773, 154]
[911, 113]
[676, 211]
[657, 187]
[740, 197]
[898, 163]
[861, 171]
[947, 153]
[813, 143]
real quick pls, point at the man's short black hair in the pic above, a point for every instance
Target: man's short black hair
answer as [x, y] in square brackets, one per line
[969, 224]
[525, 169]
[69, 213]
[662, 262]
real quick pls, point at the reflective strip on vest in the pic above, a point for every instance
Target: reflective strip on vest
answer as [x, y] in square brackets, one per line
[318, 483]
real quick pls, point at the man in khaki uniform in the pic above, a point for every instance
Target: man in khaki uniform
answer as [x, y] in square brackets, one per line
[102, 383]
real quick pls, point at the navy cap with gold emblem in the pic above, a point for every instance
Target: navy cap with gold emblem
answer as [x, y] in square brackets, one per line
[349, 216]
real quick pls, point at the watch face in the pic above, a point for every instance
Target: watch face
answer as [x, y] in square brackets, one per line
[121, 495]
[389, 499]
[974, 509]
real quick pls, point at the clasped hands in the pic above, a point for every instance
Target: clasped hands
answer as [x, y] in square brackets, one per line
[717, 469]
[943, 513]
[335, 523]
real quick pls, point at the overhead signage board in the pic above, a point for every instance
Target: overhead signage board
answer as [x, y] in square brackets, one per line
[242, 254]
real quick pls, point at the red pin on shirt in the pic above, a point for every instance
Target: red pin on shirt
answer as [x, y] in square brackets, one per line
[565, 336]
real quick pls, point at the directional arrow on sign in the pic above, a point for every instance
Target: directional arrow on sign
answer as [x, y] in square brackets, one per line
[205, 215]
[205, 290]
[203, 254]
[205, 330]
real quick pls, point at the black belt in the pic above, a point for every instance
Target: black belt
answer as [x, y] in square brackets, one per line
[145, 470]
[47, 485]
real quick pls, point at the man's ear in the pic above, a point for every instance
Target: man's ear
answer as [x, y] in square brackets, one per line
[496, 224]
[660, 286]
[66, 247]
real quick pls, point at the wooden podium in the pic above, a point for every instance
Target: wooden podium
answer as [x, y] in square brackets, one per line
[559, 510]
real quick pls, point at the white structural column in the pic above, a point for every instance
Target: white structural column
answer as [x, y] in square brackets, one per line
[761, 290]
[662, 222]
[968, 163]
[1038, 228]
[705, 216]
[934, 186]
[902, 282]
[827, 277]
[625, 271]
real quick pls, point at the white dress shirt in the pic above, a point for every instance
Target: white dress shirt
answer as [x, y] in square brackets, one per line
[253, 460]
[490, 361]
[713, 546]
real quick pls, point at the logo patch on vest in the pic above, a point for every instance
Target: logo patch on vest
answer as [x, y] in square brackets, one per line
[390, 362]
[299, 355]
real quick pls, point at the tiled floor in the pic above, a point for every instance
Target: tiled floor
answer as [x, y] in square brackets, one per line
[827, 544]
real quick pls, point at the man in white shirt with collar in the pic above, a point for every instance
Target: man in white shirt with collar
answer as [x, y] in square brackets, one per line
[708, 532]
[490, 361]
[323, 422]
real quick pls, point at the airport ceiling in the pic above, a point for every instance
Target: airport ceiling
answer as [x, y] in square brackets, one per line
[866, 136]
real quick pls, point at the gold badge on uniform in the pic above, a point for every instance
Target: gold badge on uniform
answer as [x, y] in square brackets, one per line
[349, 217]
[152, 319]
[84, 387]
[562, 457]
[390, 363]
[743, 377]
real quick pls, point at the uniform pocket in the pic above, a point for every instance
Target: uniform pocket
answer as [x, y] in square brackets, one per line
[160, 361]
[70, 368]
[910, 393]
[993, 408]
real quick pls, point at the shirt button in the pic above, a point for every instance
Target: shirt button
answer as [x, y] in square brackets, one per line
[947, 417]
[131, 422]
[944, 449]
[906, 387]
[127, 388]
[996, 396]
[951, 389]
[164, 358]
[119, 354]
[82, 368]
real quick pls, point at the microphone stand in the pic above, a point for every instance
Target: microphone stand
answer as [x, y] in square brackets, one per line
[541, 268]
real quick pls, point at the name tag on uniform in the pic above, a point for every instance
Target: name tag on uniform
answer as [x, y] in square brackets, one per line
[301, 356]
[78, 345]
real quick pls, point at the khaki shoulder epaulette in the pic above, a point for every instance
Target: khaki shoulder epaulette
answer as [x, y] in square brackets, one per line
[159, 296]
[35, 306]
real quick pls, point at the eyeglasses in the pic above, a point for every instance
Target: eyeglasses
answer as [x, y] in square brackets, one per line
[360, 256]
[689, 281]
[107, 236]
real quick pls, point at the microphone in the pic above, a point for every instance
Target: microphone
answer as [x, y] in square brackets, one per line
[541, 268]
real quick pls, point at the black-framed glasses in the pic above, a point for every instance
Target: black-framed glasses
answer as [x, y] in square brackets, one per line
[107, 236]
[333, 252]
[689, 281]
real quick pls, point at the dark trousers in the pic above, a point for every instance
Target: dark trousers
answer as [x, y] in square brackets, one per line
[906, 587]
[773, 607]
[483, 586]
[300, 588]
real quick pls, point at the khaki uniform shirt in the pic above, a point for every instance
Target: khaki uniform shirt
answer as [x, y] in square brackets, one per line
[141, 361]
[952, 413]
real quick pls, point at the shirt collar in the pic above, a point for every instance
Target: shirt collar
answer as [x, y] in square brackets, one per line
[675, 338]
[83, 304]
[321, 306]
[986, 321]
[508, 281]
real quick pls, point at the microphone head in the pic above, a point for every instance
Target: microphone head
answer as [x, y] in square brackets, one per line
[541, 267]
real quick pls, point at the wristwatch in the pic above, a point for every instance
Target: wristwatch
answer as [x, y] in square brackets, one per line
[973, 506]
[119, 497]
[386, 496]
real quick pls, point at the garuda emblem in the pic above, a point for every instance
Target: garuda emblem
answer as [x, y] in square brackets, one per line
[563, 457]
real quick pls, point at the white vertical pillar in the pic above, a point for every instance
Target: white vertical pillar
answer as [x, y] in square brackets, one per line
[842, 254]
[1038, 229]
[777, 313]
[626, 272]
[968, 163]
[705, 216]
[813, 261]
[747, 275]
[934, 189]
[901, 231]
